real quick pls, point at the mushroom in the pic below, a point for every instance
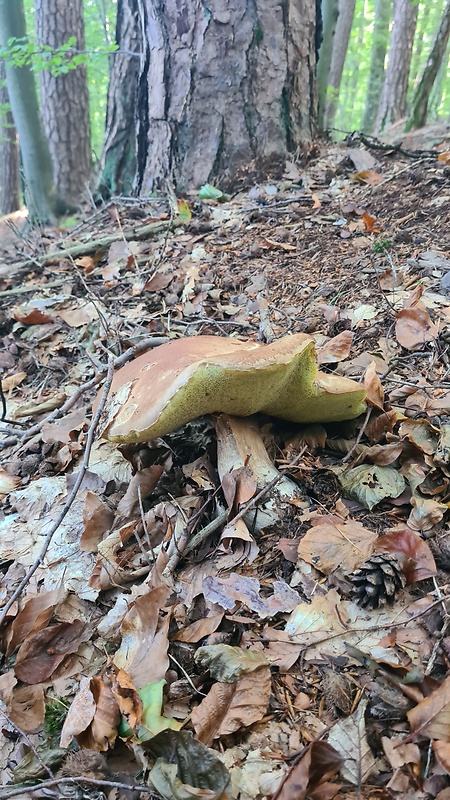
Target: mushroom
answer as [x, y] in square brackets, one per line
[187, 378]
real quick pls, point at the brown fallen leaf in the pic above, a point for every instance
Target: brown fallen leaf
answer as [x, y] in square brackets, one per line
[198, 630]
[334, 544]
[431, 717]
[336, 349]
[373, 387]
[34, 616]
[442, 752]
[414, 327]
[93, 717]
[42, 652]
[320, 762]
[230, 706]
[97, 520]
[413, 553]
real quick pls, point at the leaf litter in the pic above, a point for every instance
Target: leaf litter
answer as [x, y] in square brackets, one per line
[178, 634]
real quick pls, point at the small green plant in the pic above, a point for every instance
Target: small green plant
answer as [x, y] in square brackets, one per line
[381, 246]
[55, 713]
[57, 60]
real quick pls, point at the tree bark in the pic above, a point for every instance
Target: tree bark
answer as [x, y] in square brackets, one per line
[41, 198]
[383, 10]
[418, 116]
[340, 45]
[330, 10]
[118, 162]
[64, 98]
[9, 153]
[393, 96]
[225, 91]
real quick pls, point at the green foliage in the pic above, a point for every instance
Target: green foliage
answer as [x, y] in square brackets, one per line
[57, 60]
[55, 713]
[381, 246]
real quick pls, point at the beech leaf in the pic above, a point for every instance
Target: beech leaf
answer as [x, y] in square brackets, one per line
[370, 484]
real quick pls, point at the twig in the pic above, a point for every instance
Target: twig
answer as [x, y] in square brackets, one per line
[216, 523]
[83, 249]
[146, 344]
[19, 790]
[27, 741]
[359, 437]
[144, 524]
[80, 477]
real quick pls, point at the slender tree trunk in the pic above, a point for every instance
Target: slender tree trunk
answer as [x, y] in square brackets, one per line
[118, 162]
[225, 90]
[9, 153]
[340, 45]
[330, 10]
[41, 198]
[439, 94]
[383, 10]
[416, 58]
[419, 111]
[64, 98]
[393, 96]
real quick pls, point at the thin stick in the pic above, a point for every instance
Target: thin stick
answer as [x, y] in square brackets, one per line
[70, 499]
[216, 523]
[359, 437]
[136, 787]
[27, 741]
[118, 362]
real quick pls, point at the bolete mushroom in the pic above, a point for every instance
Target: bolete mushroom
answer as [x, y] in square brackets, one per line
[173, 384]
[180, 381]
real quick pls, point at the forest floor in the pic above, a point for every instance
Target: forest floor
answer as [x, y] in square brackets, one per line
[310, 658]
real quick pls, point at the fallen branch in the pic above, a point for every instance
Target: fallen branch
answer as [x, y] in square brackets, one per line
[19, 791]
[99, 244]
[79, 480]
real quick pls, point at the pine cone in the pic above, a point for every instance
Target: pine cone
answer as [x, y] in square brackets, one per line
[378, 580]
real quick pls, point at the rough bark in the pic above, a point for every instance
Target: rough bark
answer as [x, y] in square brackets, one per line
[64, 98]
[383, 10]
[418, 116]
[330, 10]
[118, 162]
[41, 199]
[340, 45]
[224, 90]
[393, 96]
[9, 153]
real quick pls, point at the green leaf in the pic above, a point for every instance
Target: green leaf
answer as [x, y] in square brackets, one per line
[369, 484]
[208, 192]
[185, 769]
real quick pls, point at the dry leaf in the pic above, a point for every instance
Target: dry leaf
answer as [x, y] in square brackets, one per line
[431, 717]
[373, 387]
[336, 544]
[413, 553]
[414, 328]
[230, 706]
[336, 349]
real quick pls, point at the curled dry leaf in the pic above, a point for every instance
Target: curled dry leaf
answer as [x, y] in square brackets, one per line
[34, 616]
[320, 762]
[97, 520]
[230, 706]
[373, 387]
[414, 328]
[93, 716]
[425, 513]
[336, 349]
[413, 553]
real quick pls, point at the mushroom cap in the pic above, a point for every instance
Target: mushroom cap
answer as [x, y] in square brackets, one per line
[177, 382]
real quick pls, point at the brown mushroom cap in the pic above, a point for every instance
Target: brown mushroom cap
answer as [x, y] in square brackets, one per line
[173, 384]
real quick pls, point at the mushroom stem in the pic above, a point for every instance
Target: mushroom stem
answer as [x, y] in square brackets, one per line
[240, 445]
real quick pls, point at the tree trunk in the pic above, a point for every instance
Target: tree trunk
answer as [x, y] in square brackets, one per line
[330, 10]
[421, 96]
[383, 10]
[225, 90]
[420, 33]
[340, 45]
[118, 162]
[393, 96]
[42, 201]
[64, 98]
[9, 153]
